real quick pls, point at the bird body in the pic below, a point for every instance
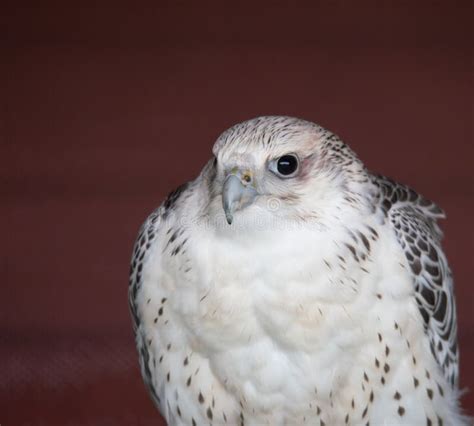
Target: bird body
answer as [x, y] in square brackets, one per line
[306, 307]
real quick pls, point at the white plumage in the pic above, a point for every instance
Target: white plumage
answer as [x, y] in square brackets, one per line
[326, 300]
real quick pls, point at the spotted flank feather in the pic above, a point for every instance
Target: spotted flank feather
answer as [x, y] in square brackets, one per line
[145, 238]
[413, 219]
[141, 251]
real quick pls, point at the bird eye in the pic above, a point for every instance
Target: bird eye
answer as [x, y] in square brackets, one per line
[287, 165]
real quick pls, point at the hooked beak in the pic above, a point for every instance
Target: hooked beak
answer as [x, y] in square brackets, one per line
[238, 192]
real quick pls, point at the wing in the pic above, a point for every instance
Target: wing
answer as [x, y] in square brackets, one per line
[413, 219]
[141, 251]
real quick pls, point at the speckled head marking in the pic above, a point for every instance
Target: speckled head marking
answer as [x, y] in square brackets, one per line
[266, 131]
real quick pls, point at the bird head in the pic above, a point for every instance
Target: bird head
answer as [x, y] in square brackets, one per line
[279, 167]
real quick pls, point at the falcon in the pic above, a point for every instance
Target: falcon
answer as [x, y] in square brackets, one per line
[288, 285]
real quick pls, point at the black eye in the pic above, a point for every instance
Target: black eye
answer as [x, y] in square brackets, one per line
[287, 165]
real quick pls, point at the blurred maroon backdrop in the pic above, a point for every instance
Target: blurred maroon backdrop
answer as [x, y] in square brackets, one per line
[106, 109]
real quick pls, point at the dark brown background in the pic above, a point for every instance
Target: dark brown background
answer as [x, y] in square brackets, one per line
[106, 109]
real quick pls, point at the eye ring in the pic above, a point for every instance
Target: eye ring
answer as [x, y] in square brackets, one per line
[285, 166]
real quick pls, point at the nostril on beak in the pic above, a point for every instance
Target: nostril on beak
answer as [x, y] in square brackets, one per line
[237, 192]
